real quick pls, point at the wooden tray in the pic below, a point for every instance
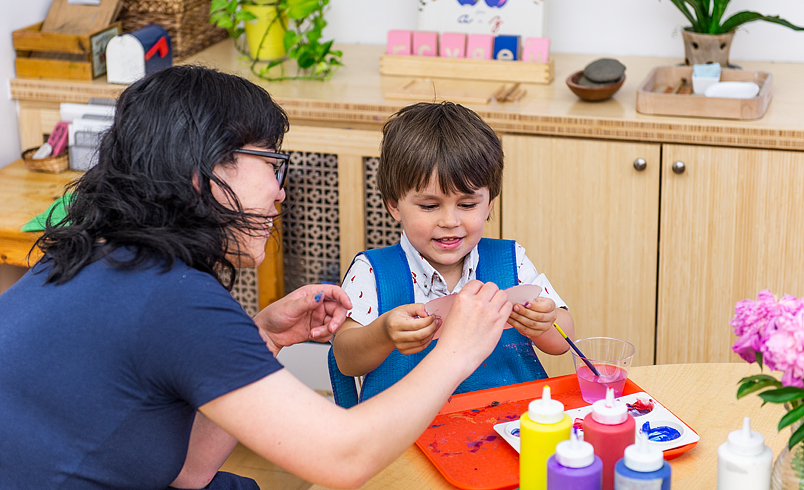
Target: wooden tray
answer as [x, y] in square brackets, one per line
[467, 69]
[650, 102]
[462, 444]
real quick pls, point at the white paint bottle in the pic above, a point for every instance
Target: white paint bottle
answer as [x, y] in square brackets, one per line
[744, 461]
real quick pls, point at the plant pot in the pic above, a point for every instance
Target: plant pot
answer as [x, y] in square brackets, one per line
[265, 34]
[700, 49]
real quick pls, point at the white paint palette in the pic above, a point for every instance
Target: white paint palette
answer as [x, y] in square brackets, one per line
[658, 416]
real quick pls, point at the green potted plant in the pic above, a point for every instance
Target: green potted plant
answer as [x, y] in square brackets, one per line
[708, 39]
[277, 31]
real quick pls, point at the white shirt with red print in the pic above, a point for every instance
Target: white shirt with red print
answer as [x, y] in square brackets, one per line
[428, 284]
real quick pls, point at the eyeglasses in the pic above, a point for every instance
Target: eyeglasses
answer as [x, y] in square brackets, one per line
[280, 166]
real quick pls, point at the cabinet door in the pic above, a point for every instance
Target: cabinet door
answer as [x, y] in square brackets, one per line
[589, 220]
[731, 226]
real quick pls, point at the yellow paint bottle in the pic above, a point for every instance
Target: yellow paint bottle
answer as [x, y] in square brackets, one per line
[542, 427]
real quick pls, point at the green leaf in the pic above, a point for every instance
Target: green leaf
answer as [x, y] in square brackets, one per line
[216, 5]
[744, 17]
[245, 16]
[321, 67]
[224, 22]
[797, 436]
[290, 39]
[758, 377]
[748, 388]
[300, 9]
[701, 13]
[273, 64]
[717, 15]
[323, 49]
[759, 359]
[684, 10]
[782, 395]
[791, 416]
[306, 60]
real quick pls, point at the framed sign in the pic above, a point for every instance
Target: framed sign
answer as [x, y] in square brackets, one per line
[524, 18]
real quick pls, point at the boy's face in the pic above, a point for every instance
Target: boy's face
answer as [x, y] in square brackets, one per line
[442, 227]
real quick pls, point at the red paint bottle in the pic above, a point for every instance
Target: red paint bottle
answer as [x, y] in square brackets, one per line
[609, 428]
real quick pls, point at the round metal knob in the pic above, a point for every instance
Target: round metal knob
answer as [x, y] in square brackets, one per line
[640, 164]
[679, 167]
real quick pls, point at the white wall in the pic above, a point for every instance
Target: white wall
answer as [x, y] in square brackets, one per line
[16, 14]
[607, 27]
[610, 27]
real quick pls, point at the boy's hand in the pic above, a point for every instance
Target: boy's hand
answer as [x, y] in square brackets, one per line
[534, 318]
[410, 328]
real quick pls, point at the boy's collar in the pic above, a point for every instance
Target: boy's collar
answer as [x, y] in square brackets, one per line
[424, 272]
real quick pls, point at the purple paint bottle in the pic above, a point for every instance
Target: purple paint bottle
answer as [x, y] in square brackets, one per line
[574, 466]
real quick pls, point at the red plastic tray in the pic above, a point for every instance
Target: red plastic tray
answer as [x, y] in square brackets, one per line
[462, 444]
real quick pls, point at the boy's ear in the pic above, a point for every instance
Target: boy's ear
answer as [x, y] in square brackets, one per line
[393, 208]
[491, 207]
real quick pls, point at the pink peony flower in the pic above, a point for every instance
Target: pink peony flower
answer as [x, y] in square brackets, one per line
[775, 329]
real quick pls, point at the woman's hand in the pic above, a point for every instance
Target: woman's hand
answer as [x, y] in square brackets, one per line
[475, 322]
[312, 312]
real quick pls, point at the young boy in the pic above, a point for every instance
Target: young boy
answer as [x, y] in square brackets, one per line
[439, 173]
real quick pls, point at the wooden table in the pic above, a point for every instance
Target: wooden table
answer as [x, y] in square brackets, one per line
[23, 195]
[702, 395]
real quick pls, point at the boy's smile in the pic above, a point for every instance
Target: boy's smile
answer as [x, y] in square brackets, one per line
[444, 228]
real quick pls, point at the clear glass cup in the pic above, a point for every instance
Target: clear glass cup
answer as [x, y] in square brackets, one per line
[611, 357]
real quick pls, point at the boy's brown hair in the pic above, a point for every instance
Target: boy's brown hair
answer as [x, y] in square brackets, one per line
[448, 137]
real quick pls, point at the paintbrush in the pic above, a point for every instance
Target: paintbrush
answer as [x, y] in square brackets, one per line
[577, 351]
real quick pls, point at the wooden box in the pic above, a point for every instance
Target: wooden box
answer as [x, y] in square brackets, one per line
[467, 69]
[53, 55]
[651, 99]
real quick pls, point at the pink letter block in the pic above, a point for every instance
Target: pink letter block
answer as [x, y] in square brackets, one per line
[480, 46]
[398, 43]
[536, 49]
[453, 45]
[425, 43]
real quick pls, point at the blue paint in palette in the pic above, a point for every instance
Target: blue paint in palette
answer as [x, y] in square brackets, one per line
[661, 433]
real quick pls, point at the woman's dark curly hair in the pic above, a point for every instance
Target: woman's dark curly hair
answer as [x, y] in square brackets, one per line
[150, 191]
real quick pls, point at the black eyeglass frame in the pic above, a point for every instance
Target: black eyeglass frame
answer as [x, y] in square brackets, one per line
[280, 170]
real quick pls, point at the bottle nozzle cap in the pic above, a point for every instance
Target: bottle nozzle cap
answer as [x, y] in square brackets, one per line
[609, 411]
[642, 457]
[575, 453]
[545, 410]
[746, 441]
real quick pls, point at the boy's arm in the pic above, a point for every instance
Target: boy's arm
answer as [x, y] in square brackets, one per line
[551, 342]
[360, 349]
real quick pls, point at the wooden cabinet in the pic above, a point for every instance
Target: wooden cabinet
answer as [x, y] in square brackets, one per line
[731, 225]
[589, 220]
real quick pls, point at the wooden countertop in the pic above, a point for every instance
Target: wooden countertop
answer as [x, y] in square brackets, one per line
[354, 97]
[702, 395]
[23, 195]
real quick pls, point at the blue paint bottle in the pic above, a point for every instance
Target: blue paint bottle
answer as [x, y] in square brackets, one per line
[642, 468]
[574, 466]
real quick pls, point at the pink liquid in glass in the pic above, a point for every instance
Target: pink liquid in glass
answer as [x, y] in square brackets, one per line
[593, 388]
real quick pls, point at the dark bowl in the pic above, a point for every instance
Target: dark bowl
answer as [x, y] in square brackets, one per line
[593, 93]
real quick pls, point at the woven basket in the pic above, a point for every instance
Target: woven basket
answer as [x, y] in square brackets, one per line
[189, 29]
[53, 165]
[163, 6]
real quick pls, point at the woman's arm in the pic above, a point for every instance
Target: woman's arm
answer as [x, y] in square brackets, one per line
[286, 422]
[209, 447]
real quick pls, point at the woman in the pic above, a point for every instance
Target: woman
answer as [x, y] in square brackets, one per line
[125, 363]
